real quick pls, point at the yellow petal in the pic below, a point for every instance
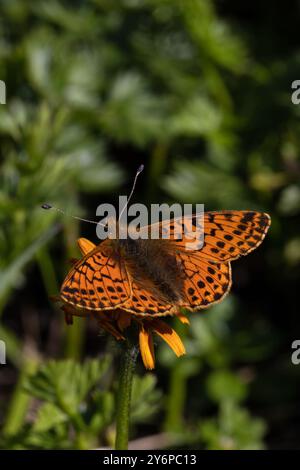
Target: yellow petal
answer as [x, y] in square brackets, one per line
[85, 245]
[183, 318]
[169, 336]
[146, 347]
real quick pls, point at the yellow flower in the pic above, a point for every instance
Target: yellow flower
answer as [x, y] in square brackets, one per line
[163, 330]
[117, 321]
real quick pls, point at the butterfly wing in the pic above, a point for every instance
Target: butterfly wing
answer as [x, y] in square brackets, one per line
[231, 234]
[181, 230]
[145, 301]
[98, 281]
[205, 282]
[227, 236]
[101, 281]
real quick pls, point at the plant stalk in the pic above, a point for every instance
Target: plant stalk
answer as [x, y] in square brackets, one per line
[127, 367]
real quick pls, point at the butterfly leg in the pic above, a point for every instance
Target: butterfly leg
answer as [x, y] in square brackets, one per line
[68, 311]
[107, 326]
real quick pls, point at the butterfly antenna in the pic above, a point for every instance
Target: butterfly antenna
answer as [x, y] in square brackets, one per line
[139, 170]
[49, 206]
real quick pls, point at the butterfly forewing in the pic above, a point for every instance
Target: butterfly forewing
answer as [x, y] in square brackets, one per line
[231, 234]
[101, 281]
[182, 230]
[222, 236]
[97, 282]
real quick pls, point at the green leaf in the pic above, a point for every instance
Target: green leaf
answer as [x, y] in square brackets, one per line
[65, 383]
[10, 274]
[48, 416]
[200, 178]
[224, 385]
[199, 117]
[233, 429]
[102, 411]
[146, 399]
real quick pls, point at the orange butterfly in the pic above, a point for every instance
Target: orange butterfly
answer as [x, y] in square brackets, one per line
[153, 278]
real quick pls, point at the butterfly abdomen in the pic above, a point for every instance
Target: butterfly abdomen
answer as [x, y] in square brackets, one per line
[151, 261]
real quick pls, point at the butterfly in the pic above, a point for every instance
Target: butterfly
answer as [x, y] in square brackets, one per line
[157, 277]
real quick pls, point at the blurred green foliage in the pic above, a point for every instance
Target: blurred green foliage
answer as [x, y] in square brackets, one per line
[200, 91]
[75, 408]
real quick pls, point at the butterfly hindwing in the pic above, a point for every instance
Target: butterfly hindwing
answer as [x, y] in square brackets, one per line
[205, 282]
[145, 301]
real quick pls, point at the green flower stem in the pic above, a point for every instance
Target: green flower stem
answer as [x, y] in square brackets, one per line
[127, 367]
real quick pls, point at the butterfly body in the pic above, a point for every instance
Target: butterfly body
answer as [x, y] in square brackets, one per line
[154, 277]
[154, 260]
